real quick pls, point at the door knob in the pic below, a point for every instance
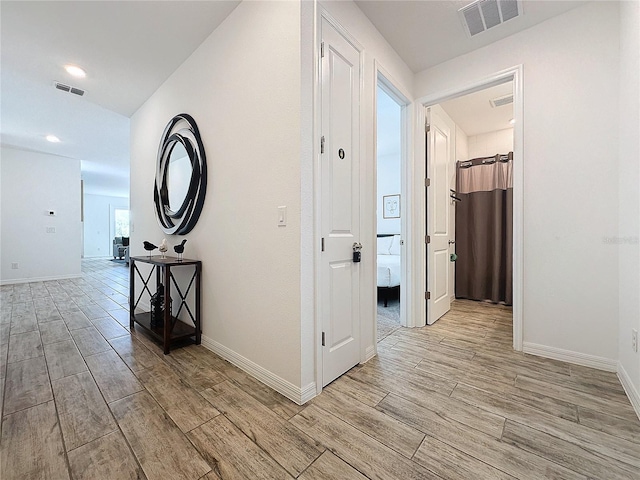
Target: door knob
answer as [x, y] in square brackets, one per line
[357, 246]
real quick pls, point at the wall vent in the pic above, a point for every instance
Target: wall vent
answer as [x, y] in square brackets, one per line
[68, 88]
[501, 101]
[482, 15]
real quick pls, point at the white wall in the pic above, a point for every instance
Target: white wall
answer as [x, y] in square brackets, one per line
[571, 66]
[490, 143]
[462, 145]
[389, 155]
[33, 183]
[241, 87]
[461, 154]
[389, 170]
[98, 224]
[629, 199]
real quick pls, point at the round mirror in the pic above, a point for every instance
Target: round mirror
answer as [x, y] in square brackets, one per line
[181, 176]
[178, 176]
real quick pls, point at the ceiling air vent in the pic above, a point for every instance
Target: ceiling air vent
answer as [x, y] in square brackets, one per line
[68, 88]
[482, 15]
[500, 101]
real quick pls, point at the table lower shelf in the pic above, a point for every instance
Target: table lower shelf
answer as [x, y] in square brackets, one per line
[180, 329]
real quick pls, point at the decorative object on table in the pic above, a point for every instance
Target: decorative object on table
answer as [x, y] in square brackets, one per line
[149, 247]
[157, 307]
[163, 247]
[181, 176]
[179, 249]
[391, 206]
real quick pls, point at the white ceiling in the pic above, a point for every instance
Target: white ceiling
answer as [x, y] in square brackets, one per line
[428, 32]
[128, 50]
[474, 114]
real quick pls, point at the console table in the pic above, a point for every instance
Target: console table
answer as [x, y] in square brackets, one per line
[167, 328]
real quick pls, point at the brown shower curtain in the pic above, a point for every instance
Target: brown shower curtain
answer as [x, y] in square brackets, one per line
[484, 229]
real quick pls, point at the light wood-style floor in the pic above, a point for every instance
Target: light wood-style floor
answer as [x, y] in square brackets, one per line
[86, 399]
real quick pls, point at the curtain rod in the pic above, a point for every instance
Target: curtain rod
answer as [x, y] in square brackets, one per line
[500, 157]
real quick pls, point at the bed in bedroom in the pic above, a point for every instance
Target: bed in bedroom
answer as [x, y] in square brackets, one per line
[388, 264]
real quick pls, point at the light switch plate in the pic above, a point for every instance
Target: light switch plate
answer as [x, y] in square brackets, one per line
[282, 216]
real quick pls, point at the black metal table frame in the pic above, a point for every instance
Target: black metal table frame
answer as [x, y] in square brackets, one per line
[162, 268]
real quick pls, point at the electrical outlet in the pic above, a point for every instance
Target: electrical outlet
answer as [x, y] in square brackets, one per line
[634, 339]
[14, 266]
[51, 229]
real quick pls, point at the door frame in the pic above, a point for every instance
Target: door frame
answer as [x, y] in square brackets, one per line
[365, 353]
[514, 74]
[402, 98]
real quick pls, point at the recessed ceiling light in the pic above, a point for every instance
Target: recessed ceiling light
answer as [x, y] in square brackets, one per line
[512, 121]
[53, 139]
[75, 71]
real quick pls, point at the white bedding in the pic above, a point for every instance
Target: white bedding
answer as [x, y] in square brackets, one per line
[388, 270]
[389, 261]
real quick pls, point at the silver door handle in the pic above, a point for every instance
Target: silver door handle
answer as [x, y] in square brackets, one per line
[357, 256]
[451, 242]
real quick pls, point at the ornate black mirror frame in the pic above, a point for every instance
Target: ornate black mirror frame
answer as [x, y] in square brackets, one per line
[181, 129]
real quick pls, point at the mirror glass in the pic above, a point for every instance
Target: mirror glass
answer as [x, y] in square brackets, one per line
[178, 176]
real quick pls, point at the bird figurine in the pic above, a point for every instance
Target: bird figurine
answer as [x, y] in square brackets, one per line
[179, 249]
[163, 247]
[149, 247]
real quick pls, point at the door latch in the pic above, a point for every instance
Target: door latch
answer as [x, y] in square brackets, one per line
[356, 252]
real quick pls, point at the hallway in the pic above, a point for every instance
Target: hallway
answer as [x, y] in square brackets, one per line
[85, 398]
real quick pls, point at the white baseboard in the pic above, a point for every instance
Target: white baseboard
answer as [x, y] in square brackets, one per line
[569, 356]
[308, 393]
[369, 353]
[627, 384]
[298, 395]
[39, 279]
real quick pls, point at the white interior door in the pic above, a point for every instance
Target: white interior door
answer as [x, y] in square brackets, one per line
[340, 194]
[439, 160]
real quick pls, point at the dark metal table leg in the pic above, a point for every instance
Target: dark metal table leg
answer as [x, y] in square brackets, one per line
[131, 294]
[167, 308]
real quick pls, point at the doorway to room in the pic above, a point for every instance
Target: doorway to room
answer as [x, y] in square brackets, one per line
[481, 196]
[453, 177]
[475, 293]
[470, 149]
[391, 211]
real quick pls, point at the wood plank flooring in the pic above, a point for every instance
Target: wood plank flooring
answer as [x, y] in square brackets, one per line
[82, 397]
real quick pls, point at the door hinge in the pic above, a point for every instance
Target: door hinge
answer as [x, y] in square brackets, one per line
[427, 295]
[322, 144]
[323, 339]
[427, 127]
[322, 50]
[427, 239]
[427, 182]
[322, 245]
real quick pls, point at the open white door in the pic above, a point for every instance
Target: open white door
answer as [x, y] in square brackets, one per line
[340, 194]
[439, 160]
